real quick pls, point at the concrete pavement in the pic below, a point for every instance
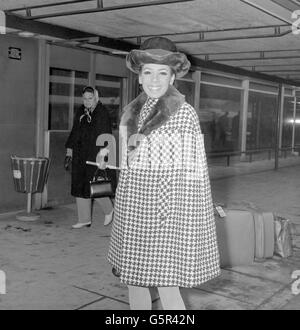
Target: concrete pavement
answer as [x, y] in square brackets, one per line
[49, 266]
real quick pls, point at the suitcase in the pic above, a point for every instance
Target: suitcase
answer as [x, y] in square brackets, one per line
[264, 234]
[236, 238]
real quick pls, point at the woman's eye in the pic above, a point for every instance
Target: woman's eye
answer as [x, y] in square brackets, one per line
[164, 73]
[147, 72]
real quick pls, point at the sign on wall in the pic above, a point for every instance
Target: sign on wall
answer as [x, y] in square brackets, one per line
[14, 53]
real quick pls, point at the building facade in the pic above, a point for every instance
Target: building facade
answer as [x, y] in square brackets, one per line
[41, 85]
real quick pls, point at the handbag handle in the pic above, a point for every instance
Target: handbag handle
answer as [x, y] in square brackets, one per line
[103, 174]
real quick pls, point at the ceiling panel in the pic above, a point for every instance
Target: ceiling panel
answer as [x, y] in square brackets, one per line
[295, 61]
[182, 17]
[211, 27]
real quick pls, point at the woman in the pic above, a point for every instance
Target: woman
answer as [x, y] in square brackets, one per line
[163, 233]
[91, 120]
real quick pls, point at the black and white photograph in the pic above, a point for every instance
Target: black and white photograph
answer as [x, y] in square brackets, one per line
[149, 157]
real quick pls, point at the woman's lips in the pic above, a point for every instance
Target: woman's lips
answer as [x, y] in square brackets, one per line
[154, 88]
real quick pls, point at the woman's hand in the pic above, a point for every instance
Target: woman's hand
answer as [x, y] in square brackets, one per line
[69, 152]
[102, 165]
[101, 157]
[68, 163]
[131, 156]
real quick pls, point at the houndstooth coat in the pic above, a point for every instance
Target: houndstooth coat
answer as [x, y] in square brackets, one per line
[163, 232]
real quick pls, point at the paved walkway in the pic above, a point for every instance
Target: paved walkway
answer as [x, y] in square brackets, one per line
[48, 266]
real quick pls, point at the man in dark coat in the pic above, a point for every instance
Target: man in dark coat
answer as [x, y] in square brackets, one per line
[91, 120]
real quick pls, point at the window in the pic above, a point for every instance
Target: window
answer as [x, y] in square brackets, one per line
[110, 91]
[64, 97]
[261, 123]
[297, 123]
[287, 121]
[221, 80]
[187, 88]
[219, 115]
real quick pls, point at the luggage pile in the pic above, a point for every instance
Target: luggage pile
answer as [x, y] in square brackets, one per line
[246, 234]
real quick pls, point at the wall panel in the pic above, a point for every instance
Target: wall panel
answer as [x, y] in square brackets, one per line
[18, 88]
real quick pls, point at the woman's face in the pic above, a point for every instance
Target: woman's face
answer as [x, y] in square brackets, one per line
[156, 79]
[89, 100]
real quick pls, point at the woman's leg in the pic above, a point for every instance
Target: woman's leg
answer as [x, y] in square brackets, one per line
[106, 204]
[170, 298]
[84, 209]
[107, 207]
[139, 298]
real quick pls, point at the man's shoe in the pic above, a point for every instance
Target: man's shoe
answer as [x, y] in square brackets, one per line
[81, 225]
[108, 218]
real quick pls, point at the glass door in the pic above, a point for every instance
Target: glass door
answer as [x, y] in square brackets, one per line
[65, 90]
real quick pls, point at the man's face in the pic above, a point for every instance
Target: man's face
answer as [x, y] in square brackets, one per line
[89, 100]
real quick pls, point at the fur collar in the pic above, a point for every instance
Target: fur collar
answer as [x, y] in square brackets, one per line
[165, 107]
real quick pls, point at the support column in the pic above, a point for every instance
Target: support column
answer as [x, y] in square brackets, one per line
[281, 117]
[244, 118]
[42, 102]
[278, 124]
[197, 78]
[92, 73]
[133, 86]
[294, 124]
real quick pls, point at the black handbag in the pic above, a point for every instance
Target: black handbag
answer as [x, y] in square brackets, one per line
[101, 185]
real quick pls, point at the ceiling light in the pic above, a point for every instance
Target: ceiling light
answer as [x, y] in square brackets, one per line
[119, 52]
[26, 34]
[293, 121]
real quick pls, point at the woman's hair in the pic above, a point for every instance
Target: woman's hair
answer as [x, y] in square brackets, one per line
[92, 90]
[173, 71]
[88, 89]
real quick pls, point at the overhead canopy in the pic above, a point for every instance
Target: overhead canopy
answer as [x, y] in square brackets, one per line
[256, 38]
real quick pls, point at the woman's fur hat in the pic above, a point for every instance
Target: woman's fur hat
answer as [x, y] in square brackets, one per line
[158, 50]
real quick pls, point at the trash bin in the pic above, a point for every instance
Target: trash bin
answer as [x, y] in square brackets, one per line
[30, 176]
